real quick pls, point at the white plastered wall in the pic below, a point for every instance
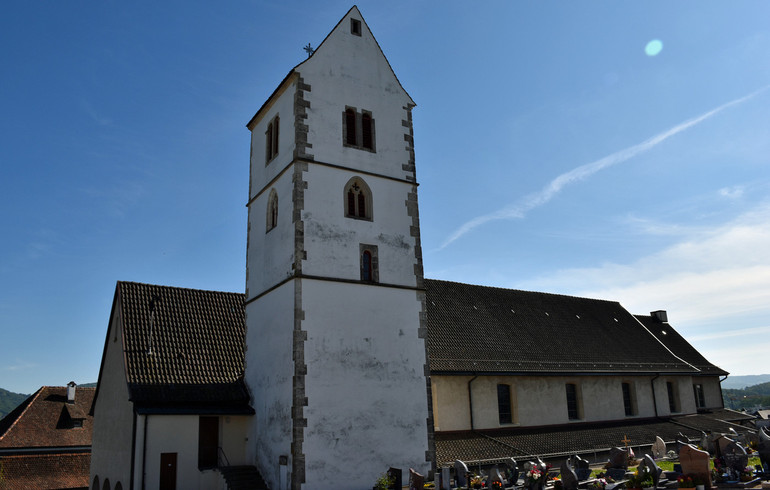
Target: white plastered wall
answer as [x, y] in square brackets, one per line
[541, 400]
[269, 371]
[367, 406]
[113, 414]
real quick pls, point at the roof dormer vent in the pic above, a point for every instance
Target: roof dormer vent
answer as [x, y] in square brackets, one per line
[71, 392]
[659, 316]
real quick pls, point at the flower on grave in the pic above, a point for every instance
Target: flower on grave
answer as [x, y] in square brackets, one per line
[557, 484]
[476, 481]
[598, 484]
[685, 481]
[534, 474]
[496, 485]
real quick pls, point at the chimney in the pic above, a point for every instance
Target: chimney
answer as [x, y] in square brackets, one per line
[659, 316]
[71, 392]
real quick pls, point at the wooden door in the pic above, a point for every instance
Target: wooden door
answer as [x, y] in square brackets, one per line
[167, 471]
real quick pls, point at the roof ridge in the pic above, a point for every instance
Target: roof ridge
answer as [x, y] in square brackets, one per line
[527, 291]
[180, 288]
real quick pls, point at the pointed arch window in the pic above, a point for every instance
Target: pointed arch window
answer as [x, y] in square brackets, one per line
[358, 199]
[272, 211]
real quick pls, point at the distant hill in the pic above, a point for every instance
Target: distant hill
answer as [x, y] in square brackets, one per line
[738, 382]
[9, 401]
[750, 398]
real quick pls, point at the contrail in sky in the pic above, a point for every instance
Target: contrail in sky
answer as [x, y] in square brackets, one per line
[531, 201]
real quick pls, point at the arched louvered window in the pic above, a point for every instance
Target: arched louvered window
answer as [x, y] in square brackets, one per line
[358, 199]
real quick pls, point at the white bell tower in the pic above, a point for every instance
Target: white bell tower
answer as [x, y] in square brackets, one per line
[336, 356]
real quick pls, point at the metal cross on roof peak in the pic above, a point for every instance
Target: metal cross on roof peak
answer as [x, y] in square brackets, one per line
[309, 49]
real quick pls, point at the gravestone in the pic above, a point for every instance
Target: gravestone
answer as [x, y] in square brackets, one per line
[695, 462]
[569, 479]
[721, 441]
[395, 475]
[582, 467]
[513, 469]
[707, 443]
[444, 479]
[616, 474]
[681, 440]
[654, 469]
[461, 474]
[495, 476]
[659, 448]
[735, 457]
[618, 458]
[416, 480]
[764, 448]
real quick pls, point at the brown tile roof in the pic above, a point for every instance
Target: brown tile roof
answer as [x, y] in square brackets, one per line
[553, 442]
[480, 329]
[679, 346]
[34, 472]
[184, 348]
[44, 420]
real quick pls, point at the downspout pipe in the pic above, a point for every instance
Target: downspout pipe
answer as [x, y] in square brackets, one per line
[722, 395]
[144, 452]
[654, 398]
[470, 398]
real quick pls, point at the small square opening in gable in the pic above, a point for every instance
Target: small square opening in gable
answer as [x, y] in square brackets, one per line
[355, 27]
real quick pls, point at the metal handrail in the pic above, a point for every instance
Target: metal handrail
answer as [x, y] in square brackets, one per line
[221, 455]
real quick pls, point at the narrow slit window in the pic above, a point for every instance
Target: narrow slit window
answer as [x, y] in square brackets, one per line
[367, 266]
[673, 402]
[573, 407]
[350, 130]
[366, 131]
[628, 400]
[505, 415]
[369, 263]
[271, 140]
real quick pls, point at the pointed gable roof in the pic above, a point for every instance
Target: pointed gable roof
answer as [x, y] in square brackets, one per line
[678, 345]
[183, 348]
[480, 329]
[44, 420]
[335, 39]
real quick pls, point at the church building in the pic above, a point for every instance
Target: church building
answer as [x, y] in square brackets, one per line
[340, 359]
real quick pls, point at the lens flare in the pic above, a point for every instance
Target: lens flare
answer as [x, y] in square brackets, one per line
[653, 47]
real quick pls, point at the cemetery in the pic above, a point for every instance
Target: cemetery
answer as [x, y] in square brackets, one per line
[736, 459]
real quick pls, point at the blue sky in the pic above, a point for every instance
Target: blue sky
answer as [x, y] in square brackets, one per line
[554, 154]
